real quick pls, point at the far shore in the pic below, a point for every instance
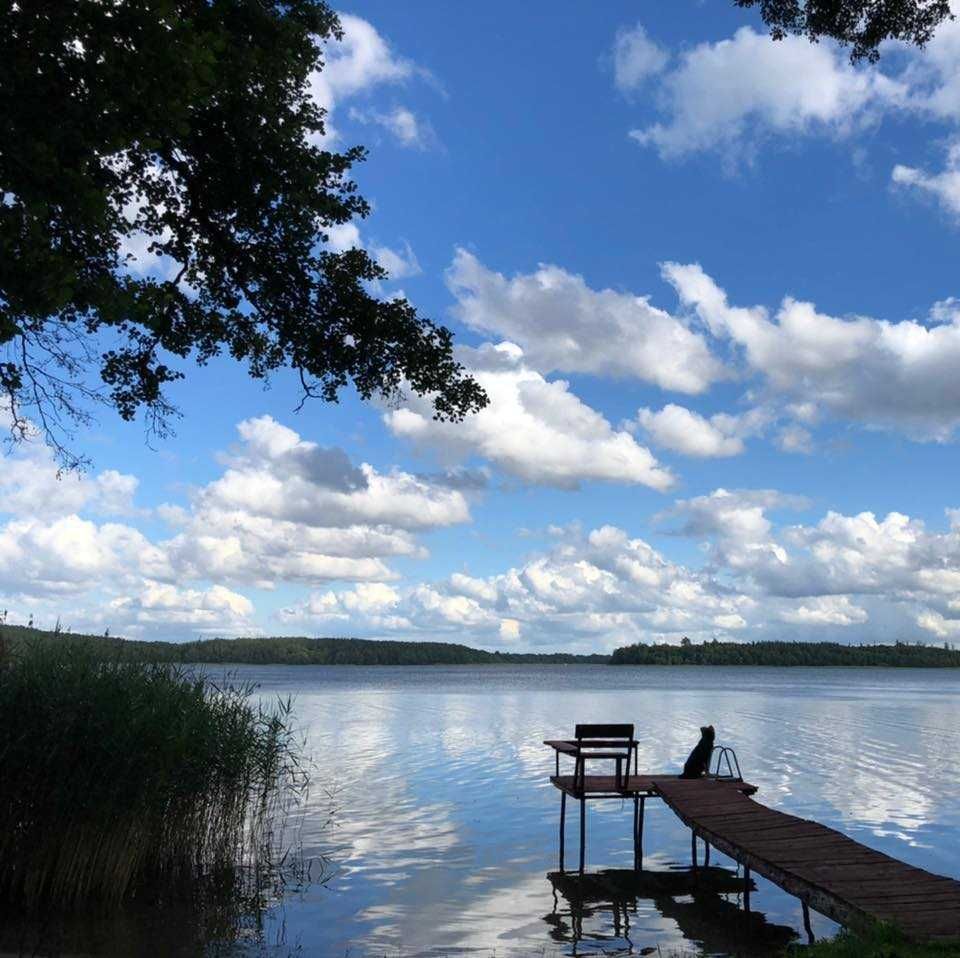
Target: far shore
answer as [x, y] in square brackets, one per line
[302, 650]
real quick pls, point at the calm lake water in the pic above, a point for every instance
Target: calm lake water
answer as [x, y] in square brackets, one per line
[433, 815]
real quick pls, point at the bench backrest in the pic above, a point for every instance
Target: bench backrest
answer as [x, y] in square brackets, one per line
[604, 731]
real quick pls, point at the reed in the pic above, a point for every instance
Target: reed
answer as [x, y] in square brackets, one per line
[122, 778]
[875, 941]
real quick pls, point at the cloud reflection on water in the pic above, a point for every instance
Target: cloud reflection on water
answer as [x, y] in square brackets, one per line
[446, 825]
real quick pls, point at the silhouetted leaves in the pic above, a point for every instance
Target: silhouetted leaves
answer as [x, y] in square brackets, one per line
[182, 131]
[861, 24]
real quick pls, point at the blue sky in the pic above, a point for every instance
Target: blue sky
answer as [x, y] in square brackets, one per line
[707, 280]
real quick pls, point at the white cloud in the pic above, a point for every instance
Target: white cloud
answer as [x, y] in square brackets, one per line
[795, 439]
[899, 375]
[69, 554]
[729, 96]
[723, 96]
[687, 432]
[402, 123]
[31, 484]
[215, 609]
[359, 62]
[289, 510]
[277, 475]
[588, 592]
[735, 520]
[944, 187]
[400, 265]
[562, 324]
[636, 58]
[534, 429]
[941, 627]
[825, 610]
[343, 236]
[284, 510]
[895, 560]
[933, 75]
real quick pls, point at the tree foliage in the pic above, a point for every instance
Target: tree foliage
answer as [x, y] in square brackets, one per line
[184, 126]
[861, 24]
[296, 650]
[782, 654]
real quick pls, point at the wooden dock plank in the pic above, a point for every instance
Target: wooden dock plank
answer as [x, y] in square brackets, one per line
[634, 784]
[829, 871]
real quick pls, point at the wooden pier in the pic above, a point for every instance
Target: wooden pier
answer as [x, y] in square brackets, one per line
[828, 871]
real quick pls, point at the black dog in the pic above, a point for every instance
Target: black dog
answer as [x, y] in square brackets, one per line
[699, 761]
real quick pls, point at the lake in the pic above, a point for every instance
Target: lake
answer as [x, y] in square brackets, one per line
[432, 815]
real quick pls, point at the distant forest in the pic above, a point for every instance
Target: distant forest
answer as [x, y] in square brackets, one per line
[307, 651]
[899, 655]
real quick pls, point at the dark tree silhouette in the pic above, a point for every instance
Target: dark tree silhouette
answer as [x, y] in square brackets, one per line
[861, 24]
[188, 122]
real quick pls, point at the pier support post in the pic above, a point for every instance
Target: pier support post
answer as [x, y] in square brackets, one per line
[583, 833]
[746, 889]
[806, 923]
[638, 810]
[563, 819]
[693, 849]
[706, 854]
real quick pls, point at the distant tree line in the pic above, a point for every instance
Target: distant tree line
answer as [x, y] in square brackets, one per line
[301, 650]
[306, 651]
[899, 655]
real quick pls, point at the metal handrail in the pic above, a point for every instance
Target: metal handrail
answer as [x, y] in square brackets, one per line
[728, 757]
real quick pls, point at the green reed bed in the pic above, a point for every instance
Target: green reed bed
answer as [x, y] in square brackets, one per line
[876, 941]
[122, 778]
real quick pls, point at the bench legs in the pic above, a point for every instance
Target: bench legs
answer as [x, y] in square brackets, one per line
[583, 833]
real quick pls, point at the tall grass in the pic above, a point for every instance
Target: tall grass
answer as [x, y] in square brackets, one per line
[122, 778]
[875, 941]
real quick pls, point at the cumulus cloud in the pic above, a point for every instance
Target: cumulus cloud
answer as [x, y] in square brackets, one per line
[588, 592]
[31, 484]
[731, 95]
[275, 474]
[283, 510]
[795, 439]
[70, 554]
[895, 374]
[399, 265]
[821, 574]
[943, 187]
[735, 521]
[564, 325]
[403, 124]
[534, 429]
[288, 510]
[825, 610]
[215, 609]
[685, 431]
[723, 96]
[854, 578]
[636, 58]
[355, 65]
[933, 76]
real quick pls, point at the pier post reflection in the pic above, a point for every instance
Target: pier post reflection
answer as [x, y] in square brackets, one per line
[703, 903]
